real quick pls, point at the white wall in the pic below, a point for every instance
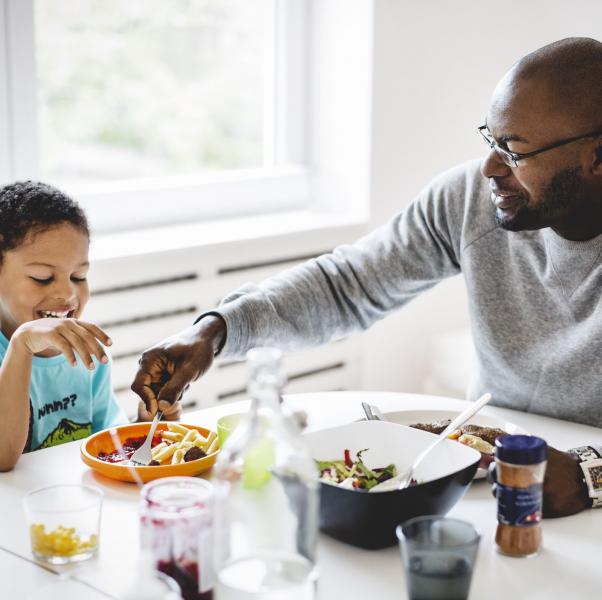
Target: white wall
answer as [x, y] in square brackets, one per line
[435, 65]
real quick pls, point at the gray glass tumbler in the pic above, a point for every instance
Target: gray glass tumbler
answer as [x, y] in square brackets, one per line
[439, 555]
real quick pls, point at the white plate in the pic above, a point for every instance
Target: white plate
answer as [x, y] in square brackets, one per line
[409, 417]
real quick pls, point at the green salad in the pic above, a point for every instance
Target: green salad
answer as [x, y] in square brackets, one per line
[353, 474]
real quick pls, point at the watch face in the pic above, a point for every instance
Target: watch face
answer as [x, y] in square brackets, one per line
[596, 477]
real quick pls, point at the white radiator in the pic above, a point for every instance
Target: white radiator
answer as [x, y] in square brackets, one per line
[139, 300]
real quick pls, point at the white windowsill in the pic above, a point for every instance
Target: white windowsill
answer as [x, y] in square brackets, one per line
[111, 246]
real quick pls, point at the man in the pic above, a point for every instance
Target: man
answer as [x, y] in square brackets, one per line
[525, 229]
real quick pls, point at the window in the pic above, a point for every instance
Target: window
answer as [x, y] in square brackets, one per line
[156, 111]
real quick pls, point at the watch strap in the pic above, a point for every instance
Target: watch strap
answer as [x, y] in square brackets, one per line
[584, 453]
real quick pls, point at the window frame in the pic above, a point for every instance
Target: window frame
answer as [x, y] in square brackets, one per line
[149, 202]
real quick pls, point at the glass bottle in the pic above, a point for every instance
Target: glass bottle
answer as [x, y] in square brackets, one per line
[266, 498]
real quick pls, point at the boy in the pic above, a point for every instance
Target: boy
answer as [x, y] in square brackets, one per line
[55, 382]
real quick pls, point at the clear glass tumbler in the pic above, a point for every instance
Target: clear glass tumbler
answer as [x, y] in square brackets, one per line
[439, 556]
[64, 522]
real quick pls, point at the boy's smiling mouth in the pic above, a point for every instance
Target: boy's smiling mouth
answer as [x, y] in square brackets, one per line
[55, 314]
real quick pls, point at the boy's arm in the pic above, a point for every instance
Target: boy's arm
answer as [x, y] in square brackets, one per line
[69, 337]
[15, 375]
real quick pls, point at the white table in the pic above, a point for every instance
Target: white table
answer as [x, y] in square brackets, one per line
[568, 566]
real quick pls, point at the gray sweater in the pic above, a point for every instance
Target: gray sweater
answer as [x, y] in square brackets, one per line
[534, 297]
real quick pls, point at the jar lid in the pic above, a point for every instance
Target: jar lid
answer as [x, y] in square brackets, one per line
[178, 494]
[521, 449]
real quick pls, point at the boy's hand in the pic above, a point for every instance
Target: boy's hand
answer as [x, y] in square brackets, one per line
[68, 336]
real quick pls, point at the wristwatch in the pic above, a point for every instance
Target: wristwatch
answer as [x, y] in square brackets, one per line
[590, 461]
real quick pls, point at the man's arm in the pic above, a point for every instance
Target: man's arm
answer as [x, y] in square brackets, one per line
[330, 296]
[352, 287]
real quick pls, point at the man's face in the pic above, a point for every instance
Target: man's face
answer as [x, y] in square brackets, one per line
[44, 277]
[546, 190]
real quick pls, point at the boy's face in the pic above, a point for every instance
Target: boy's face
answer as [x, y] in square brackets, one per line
[44, 277]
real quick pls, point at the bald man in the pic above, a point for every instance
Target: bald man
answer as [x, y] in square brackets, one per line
[524, 226]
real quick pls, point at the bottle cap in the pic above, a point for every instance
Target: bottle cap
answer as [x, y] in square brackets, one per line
[521, 449]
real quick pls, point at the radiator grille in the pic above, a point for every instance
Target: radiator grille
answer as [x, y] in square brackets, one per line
[139, 306]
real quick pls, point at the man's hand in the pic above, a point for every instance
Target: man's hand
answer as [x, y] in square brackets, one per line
[166, 370]
[171, 412]
[68, 336]
[564, 491]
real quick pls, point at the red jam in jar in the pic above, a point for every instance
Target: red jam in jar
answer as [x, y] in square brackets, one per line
[176, 518]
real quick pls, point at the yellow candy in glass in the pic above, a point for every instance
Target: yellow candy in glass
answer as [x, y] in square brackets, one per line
[62, 541]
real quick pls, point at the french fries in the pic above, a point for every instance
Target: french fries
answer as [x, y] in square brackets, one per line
[177, 440]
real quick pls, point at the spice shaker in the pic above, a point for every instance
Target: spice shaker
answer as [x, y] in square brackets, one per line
[520, 465]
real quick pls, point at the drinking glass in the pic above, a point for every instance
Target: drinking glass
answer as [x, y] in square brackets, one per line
[64, 522]
[226, 425]
[439, 556]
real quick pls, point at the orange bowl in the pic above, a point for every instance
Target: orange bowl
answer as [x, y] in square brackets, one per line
[103, 442]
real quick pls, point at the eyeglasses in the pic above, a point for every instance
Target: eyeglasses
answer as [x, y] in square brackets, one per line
[511, 158]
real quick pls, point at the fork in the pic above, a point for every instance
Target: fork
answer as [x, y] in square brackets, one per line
[142, 457]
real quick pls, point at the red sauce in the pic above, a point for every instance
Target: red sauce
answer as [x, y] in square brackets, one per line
[186, 574]
[130, 445]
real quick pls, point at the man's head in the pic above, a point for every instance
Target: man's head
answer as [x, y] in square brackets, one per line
[551, 95]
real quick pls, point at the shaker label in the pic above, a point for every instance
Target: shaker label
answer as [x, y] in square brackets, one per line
[519, 506]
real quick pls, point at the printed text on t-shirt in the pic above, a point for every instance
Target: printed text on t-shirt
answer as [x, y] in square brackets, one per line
[57, 405]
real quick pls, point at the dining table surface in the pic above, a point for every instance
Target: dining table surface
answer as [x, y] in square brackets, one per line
[567, 565]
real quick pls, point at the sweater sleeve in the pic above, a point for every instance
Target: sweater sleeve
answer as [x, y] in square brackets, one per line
[356, 285]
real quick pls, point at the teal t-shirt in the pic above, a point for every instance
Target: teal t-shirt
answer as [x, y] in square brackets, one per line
[67, 403]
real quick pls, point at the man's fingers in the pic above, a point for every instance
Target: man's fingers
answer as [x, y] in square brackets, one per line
[171, 412]
[152, 404]
[143, 414]
[172, 391]
[142, 387]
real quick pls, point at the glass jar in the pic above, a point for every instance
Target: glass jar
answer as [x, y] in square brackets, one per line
[520, 466]
[266, 498]
[176, 519]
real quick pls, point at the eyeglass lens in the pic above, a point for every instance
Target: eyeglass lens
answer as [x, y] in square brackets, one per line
[506, 157]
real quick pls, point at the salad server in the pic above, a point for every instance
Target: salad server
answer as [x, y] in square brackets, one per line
[372, 412]
[402, 480]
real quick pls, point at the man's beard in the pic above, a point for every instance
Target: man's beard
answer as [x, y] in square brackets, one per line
[562, 196]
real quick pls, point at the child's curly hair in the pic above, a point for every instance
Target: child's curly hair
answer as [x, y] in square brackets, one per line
[31, 207]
